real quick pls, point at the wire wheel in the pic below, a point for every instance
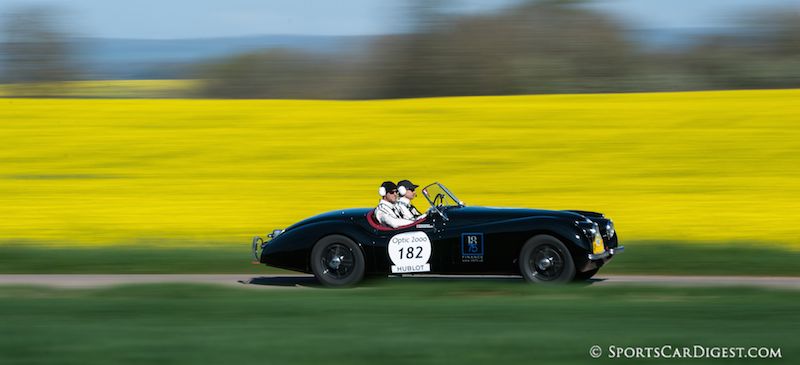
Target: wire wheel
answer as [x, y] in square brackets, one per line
[547, 262]
[338, 261]
[545, 259]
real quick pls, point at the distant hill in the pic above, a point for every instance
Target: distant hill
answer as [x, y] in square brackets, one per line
[148, 59]
[676, 39]
[168, 59]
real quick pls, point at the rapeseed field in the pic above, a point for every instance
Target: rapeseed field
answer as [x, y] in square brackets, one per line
[698, 167]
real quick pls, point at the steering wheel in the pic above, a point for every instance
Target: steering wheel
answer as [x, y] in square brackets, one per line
[440, 198]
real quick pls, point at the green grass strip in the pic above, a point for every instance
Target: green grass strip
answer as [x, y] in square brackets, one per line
[389, 323]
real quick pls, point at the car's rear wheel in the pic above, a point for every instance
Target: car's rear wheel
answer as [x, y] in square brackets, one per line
[586, 275]
[337, 261]
[545, 259]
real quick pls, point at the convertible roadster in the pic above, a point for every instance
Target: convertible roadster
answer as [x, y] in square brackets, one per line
[544, 246]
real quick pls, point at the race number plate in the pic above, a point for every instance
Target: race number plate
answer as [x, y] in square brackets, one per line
[410, 252]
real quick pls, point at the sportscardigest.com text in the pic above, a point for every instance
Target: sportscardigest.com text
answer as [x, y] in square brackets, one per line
[685, 352]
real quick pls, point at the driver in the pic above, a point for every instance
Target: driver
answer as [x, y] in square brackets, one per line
[407, 191]
[387, 213]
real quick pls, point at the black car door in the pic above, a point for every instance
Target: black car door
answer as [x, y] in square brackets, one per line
[409, 250]
[462, 248]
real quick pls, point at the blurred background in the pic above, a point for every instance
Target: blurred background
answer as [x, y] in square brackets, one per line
[121, 152]
[118, 129]
[361, 49]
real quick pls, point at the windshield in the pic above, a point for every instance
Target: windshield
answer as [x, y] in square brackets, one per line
[438, 196]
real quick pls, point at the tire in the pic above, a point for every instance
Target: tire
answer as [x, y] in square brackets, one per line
[337, 261]
[545, 259]
[586, 275]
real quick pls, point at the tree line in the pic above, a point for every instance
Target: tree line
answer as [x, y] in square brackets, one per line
[536, 47]
[531, 48]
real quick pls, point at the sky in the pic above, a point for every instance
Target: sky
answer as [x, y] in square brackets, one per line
[170, 19]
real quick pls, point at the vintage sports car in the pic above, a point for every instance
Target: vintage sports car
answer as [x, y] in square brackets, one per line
[544, 246]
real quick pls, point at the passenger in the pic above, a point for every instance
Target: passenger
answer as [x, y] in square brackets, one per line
[386, 213]
[407, 191]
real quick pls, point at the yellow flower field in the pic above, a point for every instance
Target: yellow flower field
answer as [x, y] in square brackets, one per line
[699, 167]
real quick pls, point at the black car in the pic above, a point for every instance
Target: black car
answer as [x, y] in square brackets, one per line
[343, 246]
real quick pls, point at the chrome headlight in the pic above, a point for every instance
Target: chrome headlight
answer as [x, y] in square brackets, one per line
[610, 229]
[589, 228]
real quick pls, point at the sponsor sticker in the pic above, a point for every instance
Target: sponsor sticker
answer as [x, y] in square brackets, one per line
[472, 247]
[410, 252]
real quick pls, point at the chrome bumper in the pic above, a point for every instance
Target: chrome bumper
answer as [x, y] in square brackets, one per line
[607, 253]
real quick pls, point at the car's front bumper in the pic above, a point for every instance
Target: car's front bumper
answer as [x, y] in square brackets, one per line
[608, 253]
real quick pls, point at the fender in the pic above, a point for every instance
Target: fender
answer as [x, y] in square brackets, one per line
[504, 239]
[291, 249]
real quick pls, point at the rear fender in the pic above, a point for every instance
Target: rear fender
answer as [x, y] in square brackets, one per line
[292, 249]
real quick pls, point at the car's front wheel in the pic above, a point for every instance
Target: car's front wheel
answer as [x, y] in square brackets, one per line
[545, 259]
[337, 261]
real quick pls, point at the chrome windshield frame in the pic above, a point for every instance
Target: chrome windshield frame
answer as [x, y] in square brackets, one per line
[446, 191]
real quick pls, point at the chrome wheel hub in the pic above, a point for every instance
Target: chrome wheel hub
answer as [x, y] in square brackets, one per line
[338, 262]
[545, 263]
[335, 262]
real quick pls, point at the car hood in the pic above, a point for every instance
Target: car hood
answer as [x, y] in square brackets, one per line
[473, 215]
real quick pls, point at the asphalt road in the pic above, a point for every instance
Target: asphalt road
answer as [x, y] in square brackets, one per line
[307, 281]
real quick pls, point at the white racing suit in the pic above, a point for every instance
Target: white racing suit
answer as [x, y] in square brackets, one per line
[387, 214]
[407, 210]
